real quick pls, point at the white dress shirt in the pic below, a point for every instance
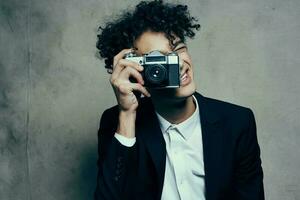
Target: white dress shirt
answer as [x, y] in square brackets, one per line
[184, 172]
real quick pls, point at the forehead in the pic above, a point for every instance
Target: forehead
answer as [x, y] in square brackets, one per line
[150, 41]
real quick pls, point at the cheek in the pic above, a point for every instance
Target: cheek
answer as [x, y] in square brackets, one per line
[186, 58]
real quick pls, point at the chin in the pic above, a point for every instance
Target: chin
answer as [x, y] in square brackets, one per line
[176, 94]
[186, 91]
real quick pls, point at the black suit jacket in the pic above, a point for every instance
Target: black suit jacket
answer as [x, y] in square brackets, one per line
[231, 154]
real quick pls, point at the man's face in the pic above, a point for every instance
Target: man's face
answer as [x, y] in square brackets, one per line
[150, 41]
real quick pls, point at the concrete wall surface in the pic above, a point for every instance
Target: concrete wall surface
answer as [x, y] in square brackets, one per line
[53, 88]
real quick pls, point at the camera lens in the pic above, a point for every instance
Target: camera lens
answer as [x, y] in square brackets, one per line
[155, 74]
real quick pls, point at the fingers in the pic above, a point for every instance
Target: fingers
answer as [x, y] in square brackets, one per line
[120, 55]
[119, 62]
[122, 64]
[140, 88]
[123, 70]
[131, 72]
[127, 88]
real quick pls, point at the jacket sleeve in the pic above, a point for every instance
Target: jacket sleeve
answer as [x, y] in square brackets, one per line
[116, 162]
[248, 180]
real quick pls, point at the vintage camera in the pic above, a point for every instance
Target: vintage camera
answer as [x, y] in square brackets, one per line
[160, 71]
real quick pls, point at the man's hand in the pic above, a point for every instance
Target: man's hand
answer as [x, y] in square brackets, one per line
[123, 70]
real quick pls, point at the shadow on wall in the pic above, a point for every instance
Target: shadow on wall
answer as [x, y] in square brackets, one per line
[87, 177]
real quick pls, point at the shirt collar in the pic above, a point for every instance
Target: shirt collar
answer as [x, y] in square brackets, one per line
[185, 128]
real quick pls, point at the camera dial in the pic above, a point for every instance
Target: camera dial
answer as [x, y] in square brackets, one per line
[129, 55]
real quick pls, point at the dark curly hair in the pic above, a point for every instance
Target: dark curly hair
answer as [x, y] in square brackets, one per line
[155, 16]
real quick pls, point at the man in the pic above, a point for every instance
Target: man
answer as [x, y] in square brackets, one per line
[170, 144]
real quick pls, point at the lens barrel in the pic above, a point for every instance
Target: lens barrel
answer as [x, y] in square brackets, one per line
[155, 74]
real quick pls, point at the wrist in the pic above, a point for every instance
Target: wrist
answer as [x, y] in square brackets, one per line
[126, 126]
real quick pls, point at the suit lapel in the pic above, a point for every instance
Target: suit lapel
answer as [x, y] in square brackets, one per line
[149, 130]
[212, 139]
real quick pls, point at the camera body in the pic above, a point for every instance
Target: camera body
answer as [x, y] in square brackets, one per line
[160, 71]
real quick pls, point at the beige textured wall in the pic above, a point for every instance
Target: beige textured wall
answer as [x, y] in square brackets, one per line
[53, 88]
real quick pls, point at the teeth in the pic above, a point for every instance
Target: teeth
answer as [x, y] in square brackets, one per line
[184, 76]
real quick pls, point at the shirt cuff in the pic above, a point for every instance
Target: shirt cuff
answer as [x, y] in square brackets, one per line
[128, 142]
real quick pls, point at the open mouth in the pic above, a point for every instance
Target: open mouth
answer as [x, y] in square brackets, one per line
[185, 79]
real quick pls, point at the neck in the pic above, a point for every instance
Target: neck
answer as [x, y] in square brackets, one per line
[175, 112]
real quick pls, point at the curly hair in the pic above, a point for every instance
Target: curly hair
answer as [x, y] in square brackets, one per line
[154, 16]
